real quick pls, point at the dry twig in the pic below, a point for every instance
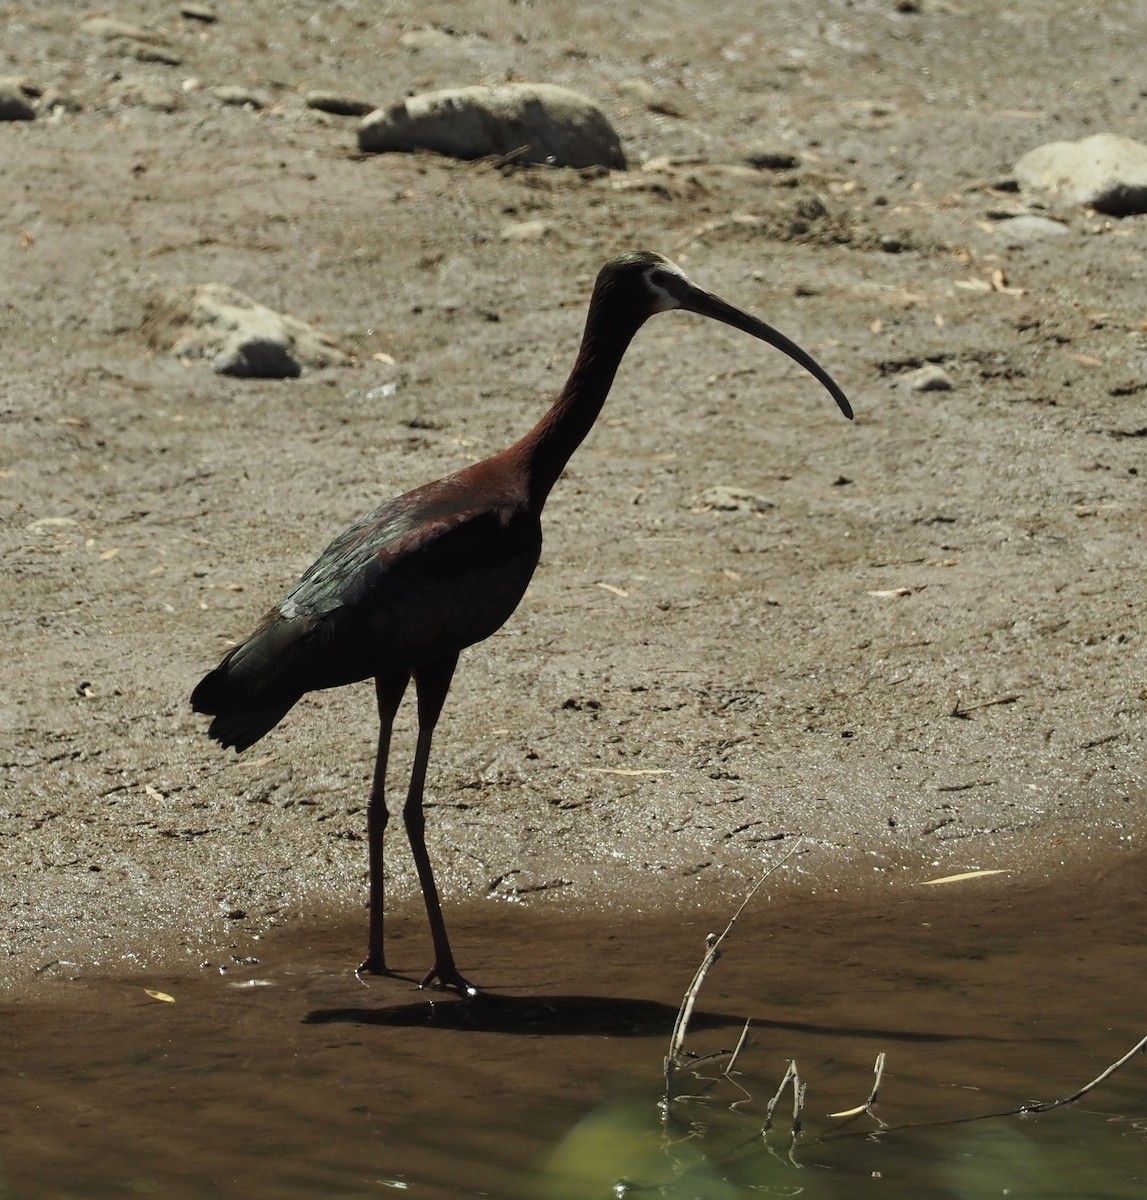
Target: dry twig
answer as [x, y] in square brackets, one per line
[1034, 1106]
[962, 710]
[712, 953]
[866, 1107]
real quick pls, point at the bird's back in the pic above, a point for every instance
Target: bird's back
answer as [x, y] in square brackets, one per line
[421, 577]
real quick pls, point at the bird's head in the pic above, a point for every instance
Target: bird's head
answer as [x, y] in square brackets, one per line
[652, 284]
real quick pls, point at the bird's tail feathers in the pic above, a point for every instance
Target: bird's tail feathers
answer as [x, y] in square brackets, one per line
[244, 707]
[244, 727]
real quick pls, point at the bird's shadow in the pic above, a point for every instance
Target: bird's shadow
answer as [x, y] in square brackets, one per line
[582, 1016]
[566, 1016]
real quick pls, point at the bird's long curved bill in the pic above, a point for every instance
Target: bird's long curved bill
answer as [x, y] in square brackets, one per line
[705, 304]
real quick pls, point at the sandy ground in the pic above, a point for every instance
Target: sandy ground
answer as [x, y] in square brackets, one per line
[928, 654]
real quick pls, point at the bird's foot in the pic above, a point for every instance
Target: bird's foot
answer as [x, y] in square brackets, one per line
[449, 977]
[373, 964]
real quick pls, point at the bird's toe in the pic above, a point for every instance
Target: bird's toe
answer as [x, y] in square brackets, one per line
[373, 964]
[449, 977]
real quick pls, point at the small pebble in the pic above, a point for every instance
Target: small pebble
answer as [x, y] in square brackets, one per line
[772, 156]
[199, 12]
[227, 93]
[110, 29]
[131, 92]
[640, 90]
[723, 498]
[338, 105]
[149, 52]
[426, 39]
[55, 99]
[526, 231]
[930, 378]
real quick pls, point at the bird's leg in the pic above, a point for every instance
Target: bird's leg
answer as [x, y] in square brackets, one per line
[389, 690]
[432, 682]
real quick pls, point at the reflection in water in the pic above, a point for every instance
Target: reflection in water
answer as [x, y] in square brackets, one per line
[313, 1084]
[720, 1154]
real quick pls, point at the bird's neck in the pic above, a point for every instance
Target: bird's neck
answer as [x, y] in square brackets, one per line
[545, 450]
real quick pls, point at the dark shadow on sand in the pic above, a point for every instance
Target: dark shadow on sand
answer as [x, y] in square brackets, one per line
[582, 1016]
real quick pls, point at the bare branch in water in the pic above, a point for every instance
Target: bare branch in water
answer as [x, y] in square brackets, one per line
[1048, 1105]
[739, 1047]
[1035, 1106]
[879, 1070]
[793, 1076]
[799, 1088]
[865, 1109]
[712, 953]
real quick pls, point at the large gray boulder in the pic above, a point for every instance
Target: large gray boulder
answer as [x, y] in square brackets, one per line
[1107, 172]
[530, 122]
[237, 335]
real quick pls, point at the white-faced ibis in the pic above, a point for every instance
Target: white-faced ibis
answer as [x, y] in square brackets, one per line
[401, 592]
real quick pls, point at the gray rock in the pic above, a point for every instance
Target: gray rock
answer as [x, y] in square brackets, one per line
[237, 335]
[929, 378]
[1024, 229]
[337, 104]
[14, 105]
[533, 122]
[110, 29]
[1107, 172]
[131, 92]
[134, 41]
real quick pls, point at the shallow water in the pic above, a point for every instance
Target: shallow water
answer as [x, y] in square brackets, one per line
[288, 1077]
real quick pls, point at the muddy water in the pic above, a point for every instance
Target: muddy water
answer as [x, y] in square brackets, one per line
[287, 1077]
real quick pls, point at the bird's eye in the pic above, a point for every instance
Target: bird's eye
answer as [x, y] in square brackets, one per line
[661, 282]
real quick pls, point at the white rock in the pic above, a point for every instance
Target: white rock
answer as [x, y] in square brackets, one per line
[1107, 172]
[239, 95]
[239, 336]
[534, 122]
[426, 39]
[929, 378]
[723, 498]
[527, 231]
